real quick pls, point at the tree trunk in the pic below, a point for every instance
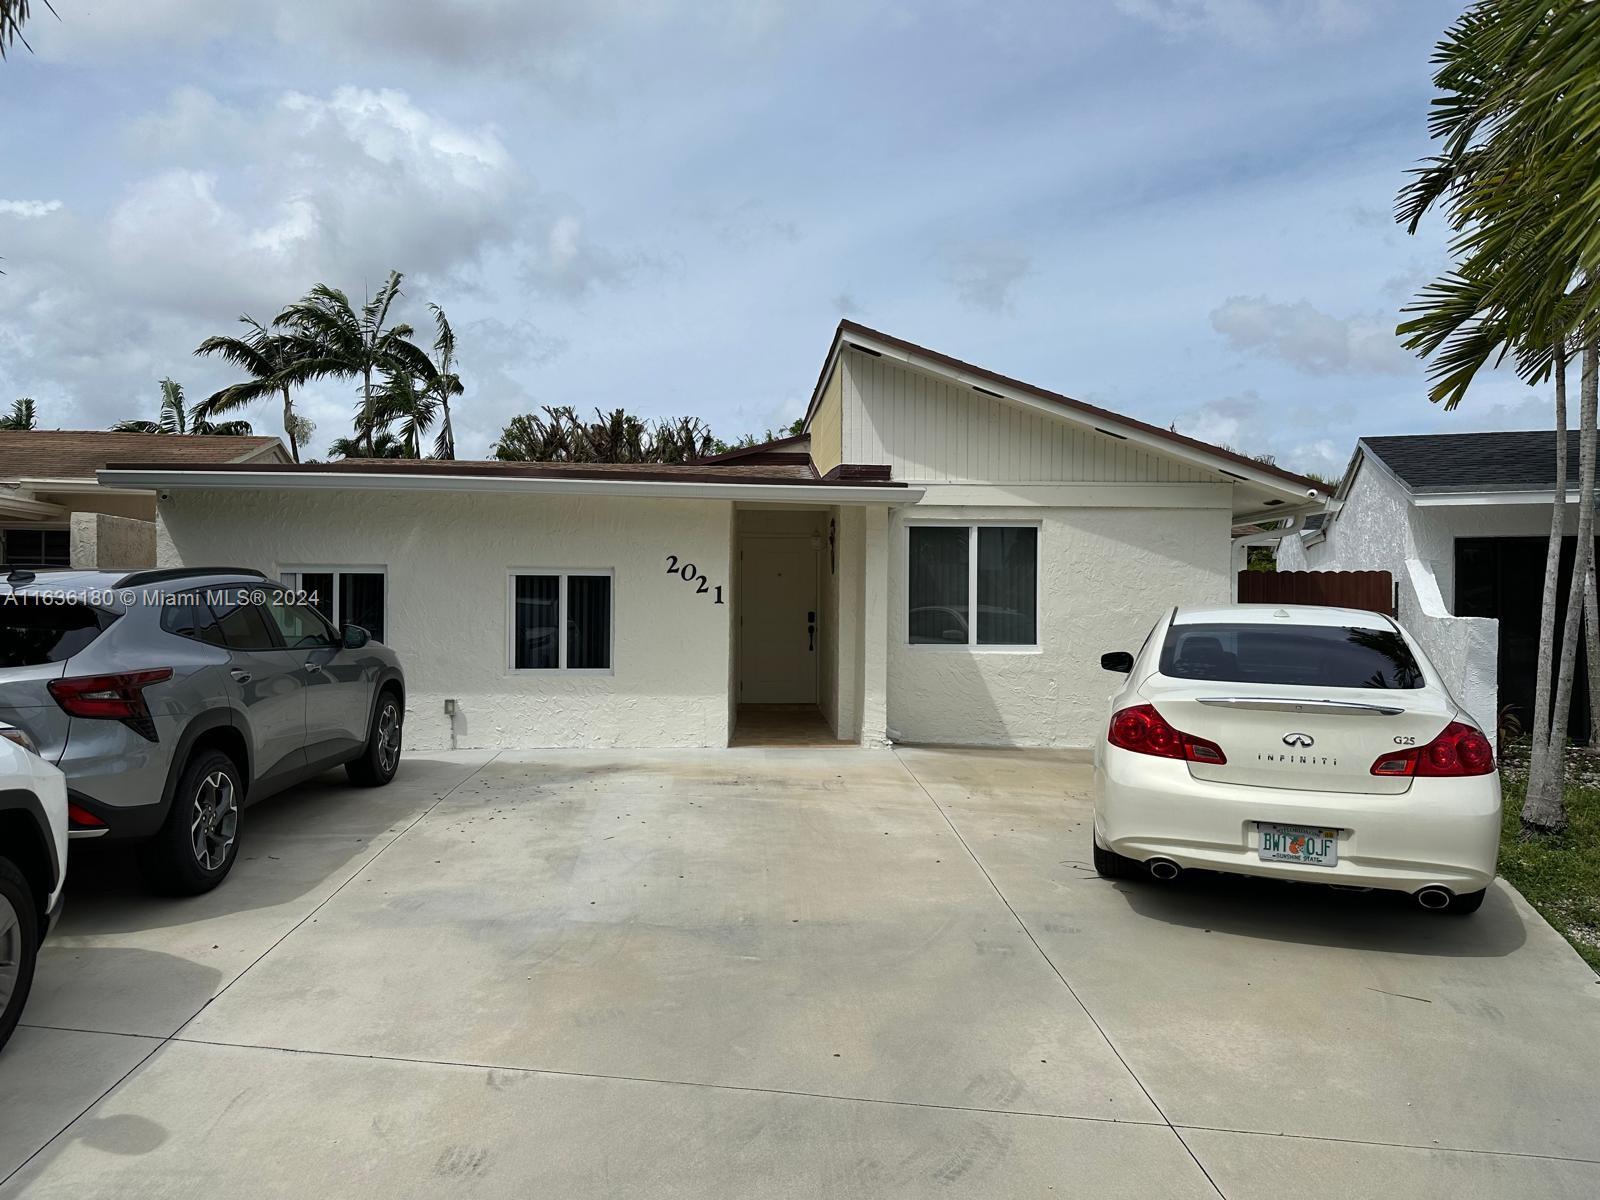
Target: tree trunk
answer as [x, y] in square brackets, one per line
[1591, 647]
[1547, 813]
[366, 409]
[449, 433]
[288, 425]
[1539, 718]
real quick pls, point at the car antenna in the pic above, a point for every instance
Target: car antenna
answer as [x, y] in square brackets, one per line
[20, 576]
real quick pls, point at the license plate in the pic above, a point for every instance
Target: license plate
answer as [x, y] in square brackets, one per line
[1299, 844]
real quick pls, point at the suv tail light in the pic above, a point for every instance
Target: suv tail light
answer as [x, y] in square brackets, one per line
[111, 697]
[1145, 731]
[1458, 750]
[80, 818]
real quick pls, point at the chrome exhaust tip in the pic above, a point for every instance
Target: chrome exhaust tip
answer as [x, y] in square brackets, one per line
[1163, 869]
[1434, 898]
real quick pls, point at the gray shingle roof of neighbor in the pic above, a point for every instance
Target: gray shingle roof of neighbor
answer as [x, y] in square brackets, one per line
[1521, 460]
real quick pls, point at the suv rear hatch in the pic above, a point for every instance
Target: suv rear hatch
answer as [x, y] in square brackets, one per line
[37, 637]
[1310, 707]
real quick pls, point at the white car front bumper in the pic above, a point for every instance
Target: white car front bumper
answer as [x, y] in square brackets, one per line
[1443, 832]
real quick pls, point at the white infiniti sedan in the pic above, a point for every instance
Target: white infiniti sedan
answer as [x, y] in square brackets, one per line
[1314, 744]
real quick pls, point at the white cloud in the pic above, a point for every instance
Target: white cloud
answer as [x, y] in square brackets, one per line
[1311, 340]
[1254, 24]
[986, 274]
[29, 210]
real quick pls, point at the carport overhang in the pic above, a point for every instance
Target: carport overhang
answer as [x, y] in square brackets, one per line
[797, 492]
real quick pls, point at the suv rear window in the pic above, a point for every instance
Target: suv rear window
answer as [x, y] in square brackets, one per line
[1308, 655]
[32, 632]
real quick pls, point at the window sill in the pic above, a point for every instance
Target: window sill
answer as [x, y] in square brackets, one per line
[958, 648]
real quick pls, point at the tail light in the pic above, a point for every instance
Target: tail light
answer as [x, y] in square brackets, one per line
[1145, 731]
[111, 698]
[79, 817]
[1459, 750]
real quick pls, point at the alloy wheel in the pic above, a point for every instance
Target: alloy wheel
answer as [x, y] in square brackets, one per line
[389, 738]
[10, 951]
[215, 820]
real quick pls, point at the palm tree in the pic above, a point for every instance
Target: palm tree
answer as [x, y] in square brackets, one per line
[328, 338]
[444, 383]
[13, 15]
[266, 356]
[175, 418]
[401, 398]
[1519, 178]
[21, 416]
[383, 444]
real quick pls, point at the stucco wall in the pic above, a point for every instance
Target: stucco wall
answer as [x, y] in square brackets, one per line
[105, 542]
[1379, 529]
[1107, 574]
[447, 557]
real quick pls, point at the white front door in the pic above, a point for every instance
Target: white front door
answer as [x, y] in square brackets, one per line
[778, 613]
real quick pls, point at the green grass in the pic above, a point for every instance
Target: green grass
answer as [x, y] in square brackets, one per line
[1560, 876]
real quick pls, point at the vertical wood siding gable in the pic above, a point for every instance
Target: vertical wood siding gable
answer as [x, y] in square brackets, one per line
[929, 429]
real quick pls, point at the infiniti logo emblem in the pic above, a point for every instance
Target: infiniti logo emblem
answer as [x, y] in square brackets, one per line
[1298, 739]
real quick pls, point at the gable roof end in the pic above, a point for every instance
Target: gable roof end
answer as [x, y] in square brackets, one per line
[1228, 462]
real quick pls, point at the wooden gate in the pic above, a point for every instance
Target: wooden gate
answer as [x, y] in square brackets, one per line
[1371, 590]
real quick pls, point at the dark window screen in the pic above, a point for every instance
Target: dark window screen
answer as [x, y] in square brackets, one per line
[588, 622]
[32, 633]
[318, 587]
[361, 601]
[938, 586]
[1309, 655]
[1008, 586]
[37, 547]
[535, 622]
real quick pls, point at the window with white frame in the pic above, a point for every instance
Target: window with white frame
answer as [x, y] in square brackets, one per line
[345, 595]
[561, 621]
[972, 585]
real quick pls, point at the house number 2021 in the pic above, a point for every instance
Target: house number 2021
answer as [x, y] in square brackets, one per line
[689, 573]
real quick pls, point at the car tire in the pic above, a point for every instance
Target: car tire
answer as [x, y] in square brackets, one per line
[1466, 903]
[19, 946]
[380, 759]
[1108, 864]
[198, 843]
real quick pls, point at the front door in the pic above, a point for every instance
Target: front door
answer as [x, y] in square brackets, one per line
[778, 613]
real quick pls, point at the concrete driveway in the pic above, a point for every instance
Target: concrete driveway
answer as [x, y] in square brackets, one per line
[779, 973]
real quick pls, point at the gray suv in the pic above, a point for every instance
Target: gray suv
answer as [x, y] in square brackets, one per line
[172, 698]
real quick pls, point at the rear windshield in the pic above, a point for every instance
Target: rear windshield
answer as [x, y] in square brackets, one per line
[1310, 655]
[34, 632]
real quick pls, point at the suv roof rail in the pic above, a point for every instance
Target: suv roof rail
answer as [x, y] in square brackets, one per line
[169, 573]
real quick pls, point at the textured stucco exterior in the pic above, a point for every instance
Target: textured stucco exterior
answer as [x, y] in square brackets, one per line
[1106, 574]
[103, 542]
[1379, 528]
[448, 556]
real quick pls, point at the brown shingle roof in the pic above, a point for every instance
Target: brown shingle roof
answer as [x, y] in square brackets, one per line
[79, 453]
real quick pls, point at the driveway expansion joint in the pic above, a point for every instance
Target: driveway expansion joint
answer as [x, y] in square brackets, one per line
[162, 1041]
[1021, 924]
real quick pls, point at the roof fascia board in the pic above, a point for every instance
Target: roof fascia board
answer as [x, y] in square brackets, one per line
[74, 487]
[804, 493]
[1156, 445]
[26, 509]
[1444, 499]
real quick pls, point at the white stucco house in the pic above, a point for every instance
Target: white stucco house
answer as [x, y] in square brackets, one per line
[1462, 522]
[941, 556]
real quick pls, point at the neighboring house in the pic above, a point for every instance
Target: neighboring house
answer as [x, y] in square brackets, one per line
[942, 556]
[1462, 521]
[54, 513]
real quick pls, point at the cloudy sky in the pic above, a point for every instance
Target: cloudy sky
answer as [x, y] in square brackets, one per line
[1178, 209]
